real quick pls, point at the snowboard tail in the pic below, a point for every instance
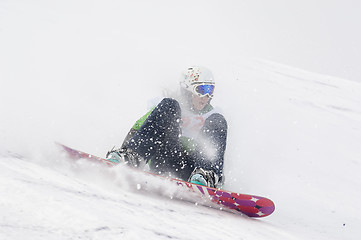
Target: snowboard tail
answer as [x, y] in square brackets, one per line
[250, 205]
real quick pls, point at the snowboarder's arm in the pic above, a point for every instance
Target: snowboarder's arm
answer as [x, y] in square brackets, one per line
[136, 127]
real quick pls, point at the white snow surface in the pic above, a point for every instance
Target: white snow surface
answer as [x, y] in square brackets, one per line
[81, 72]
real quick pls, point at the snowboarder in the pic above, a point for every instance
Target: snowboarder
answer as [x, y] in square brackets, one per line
[182, 137]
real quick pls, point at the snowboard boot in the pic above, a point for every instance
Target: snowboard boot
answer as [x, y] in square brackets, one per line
[124, 155]
[203, 177]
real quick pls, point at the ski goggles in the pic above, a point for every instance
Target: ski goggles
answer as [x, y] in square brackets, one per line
[204, 89]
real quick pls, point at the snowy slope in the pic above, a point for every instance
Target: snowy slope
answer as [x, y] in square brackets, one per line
[41, 203]
[82, 72]
[296, 140]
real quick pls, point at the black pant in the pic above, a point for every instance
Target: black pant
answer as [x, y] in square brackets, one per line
[158, 141]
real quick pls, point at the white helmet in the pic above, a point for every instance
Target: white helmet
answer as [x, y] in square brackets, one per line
[198, 80]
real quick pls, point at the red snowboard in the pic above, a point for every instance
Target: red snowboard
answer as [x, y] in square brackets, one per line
[250, 205]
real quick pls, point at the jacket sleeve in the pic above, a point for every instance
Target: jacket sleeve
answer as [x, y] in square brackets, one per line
[135, 128]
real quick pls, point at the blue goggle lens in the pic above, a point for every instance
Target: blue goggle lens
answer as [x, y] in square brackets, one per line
[205, 89]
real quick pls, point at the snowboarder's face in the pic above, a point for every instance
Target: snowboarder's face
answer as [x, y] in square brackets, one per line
[200, 102]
